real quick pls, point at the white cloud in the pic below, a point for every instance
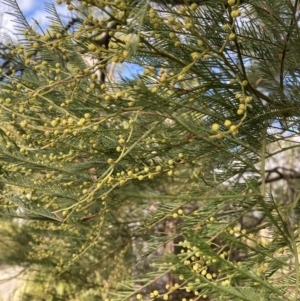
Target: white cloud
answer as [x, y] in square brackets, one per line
[41, 17]
[28, 5]
[33, 10]
[6, 20]
[6, 24]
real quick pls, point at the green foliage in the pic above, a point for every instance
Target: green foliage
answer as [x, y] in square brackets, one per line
[151, 186]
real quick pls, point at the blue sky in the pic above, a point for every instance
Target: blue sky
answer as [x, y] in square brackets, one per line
[33, 9]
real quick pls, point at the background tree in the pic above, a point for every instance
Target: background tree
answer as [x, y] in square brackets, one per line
[167, 168]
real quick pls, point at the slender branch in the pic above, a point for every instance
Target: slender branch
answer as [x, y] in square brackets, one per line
[285, 49]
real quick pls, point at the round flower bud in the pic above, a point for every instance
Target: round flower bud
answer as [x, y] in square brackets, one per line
[92, 47]
[110, 161]
[233, 128]
[215, 127]
[231, 37]
[244, 83]
[227, 123]
[226, 27]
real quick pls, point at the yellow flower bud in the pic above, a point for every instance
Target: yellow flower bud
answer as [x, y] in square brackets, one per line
[215, 127]
[231, 37]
